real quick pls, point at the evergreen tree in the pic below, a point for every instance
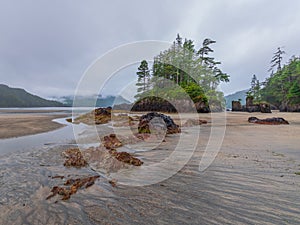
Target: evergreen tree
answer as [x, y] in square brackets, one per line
[277, 60]
[204, 51]
[255, 89]
[282, 87]
[178, 40]
[143, 74]
[294, 93]
[194, 71]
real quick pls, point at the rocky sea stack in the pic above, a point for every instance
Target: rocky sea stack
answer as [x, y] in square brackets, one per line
[181, 105]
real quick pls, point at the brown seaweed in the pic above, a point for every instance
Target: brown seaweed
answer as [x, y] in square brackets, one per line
[73, 186]
[74, 158]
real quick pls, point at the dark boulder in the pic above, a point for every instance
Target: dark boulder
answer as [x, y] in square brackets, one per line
[145, 120]
[270, 121]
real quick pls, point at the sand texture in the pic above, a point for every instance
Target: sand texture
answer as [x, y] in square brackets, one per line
[27, 123]
[252, 180]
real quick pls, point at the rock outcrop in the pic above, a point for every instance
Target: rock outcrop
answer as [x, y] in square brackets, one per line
[260, 107]
[270, 121]
[236, 106]
[289, 108]
[158, 104]
[145, 120]
[265, 108]
[97, 116]
[251, 107]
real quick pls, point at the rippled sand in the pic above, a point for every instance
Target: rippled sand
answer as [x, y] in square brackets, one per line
[251, 181]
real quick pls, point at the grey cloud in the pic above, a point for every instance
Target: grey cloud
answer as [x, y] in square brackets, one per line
[45, 46]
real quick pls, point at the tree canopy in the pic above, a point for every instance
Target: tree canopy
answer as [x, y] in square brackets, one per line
[143, 74]
[282, 87]
[192, 71]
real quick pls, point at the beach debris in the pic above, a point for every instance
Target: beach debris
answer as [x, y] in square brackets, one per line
[111, 142]
[143, 136]
[74, 158]
[125, 157]
[166, 121]
[113, 182]
[269, 121]
[194, 122]
[69, 120]
[73, 186]
[57, 177]
[96, 116]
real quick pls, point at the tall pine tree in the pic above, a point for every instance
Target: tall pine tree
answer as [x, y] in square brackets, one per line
[143, 74]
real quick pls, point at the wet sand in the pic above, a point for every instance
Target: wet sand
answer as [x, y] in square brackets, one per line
[27, 122]
[251, 181]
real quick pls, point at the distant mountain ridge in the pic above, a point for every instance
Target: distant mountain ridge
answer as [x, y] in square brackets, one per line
[88, 101]
[17, 97]
[235, 97]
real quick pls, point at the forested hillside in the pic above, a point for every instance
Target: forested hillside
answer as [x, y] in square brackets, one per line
[282, 87]
[16, 97]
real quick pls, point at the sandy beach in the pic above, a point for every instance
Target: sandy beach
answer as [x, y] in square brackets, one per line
[253, 180]
[16, 123]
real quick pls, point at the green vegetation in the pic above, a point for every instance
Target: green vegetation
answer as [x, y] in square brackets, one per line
[282, 88]
[255, 90]
[143, 77]
[297, 173]
[182, 70]
[15, 97]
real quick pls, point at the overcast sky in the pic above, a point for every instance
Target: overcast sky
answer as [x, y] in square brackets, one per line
[45, 46]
